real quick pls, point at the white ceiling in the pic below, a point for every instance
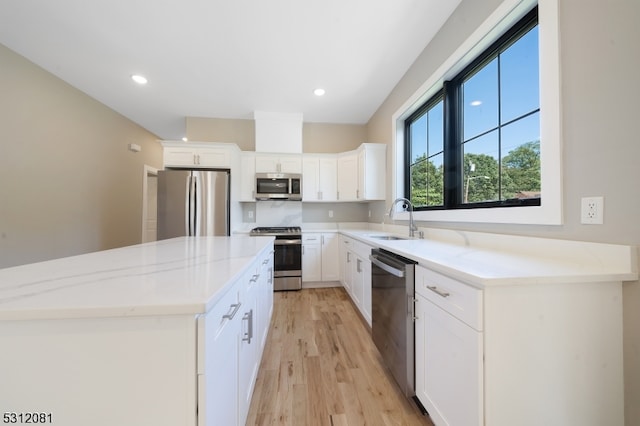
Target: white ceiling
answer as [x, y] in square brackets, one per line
[226, 59]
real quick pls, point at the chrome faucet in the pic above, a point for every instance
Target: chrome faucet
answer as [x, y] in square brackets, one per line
[407, 204]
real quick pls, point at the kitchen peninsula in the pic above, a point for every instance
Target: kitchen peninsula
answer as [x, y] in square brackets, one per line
[163, 333]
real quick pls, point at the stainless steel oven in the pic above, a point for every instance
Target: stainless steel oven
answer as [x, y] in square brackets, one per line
[287, 264]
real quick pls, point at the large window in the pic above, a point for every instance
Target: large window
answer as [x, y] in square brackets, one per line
[476, 143]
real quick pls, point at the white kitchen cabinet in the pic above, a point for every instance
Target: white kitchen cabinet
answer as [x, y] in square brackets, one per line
[240, 321]
[320, 177]
[247, 176]
[361, 173]
[220, 329]
[372, 164]
[329, 244]
[278, 163]
[355, 273]
[311, 257]
[249, 345]
[348, 176]
[197, 155]
[320, 256]
[449, 352]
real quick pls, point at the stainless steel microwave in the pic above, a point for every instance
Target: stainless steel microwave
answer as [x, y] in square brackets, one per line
[279, 186]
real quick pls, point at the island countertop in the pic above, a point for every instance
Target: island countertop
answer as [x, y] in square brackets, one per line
[184, 275]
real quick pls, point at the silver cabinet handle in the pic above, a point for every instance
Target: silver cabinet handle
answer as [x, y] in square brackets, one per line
[232, 311]
[411, 307]
[248, 316]
[438, 292]
[264, 262]
[254, 278]
[358, 268]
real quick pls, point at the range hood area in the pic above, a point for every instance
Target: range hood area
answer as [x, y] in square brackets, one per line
[278, 132]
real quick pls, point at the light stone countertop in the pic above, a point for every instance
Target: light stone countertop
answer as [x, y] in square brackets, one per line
[484, 260]
[184, 275]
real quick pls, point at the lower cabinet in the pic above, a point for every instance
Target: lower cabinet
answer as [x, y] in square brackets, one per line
[231, 340]
[449, 351]
[355, 273]
[320, 256]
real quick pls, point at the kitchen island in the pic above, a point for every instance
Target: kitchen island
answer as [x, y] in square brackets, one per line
[163, 333]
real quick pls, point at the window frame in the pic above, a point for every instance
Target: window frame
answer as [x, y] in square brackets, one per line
[508, 13]
[451, 94]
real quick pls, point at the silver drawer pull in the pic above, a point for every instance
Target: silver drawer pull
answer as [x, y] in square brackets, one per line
[233, 311]
[438, 292]
[254, 278]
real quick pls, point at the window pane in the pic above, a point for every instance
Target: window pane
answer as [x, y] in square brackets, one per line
[519, 83]
[521, 160]
[436, 129]
[418, 195]
[480, 97]
[480, 169]
[418, 138]
[435, 181]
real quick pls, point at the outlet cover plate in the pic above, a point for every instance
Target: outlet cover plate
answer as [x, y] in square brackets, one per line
[592, 211]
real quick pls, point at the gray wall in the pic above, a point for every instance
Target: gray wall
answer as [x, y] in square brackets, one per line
[68, 183]
[600, 59]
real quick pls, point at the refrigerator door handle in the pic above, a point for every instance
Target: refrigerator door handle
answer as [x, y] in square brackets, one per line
[191, 202]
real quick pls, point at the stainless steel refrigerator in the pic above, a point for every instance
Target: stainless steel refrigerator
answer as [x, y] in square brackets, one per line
[193, 203]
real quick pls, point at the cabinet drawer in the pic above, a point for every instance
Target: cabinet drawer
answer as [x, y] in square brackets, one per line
[311, 238]
[460, 300]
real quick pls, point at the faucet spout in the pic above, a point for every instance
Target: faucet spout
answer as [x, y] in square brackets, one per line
[409, 206]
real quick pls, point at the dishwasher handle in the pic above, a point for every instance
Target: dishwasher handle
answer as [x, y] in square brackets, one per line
[386, 267]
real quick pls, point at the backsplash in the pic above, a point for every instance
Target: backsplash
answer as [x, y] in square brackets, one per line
[278, 213]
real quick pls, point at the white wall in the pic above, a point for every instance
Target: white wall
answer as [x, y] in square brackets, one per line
[600, 59]
[68, 183]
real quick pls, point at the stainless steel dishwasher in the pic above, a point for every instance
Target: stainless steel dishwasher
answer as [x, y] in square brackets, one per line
[392, 300]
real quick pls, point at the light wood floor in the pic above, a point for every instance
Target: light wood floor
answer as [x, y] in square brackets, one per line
[320, 367]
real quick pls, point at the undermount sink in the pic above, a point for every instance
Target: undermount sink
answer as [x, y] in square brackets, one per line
[387, 237]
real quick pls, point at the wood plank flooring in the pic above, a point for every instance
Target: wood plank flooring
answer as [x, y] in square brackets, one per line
[320, 367]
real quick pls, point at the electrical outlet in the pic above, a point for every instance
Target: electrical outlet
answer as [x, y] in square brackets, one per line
[330, 213]
[592, 211]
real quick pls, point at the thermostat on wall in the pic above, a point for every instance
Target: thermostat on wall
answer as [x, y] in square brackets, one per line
[135, 147]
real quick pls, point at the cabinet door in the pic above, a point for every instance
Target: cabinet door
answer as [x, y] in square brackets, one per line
[357, 280]
[265, 300]
[328, 179]
[248, 345]
[267, 163]
[366, 290]
[247, 177]
[311, 257]
[291, 164]
[372, 164]
[449, 370]
[218, 362]
[213, 157]
[330, 257]
[348, 177]
[179, 157]
[310, 179]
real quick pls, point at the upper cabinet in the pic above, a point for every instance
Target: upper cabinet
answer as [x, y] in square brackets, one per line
[197, 154]
[320, 177]
[362, 173]
[278, 163]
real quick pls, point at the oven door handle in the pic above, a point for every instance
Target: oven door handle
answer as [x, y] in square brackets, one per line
[286, 242]
[386, 267]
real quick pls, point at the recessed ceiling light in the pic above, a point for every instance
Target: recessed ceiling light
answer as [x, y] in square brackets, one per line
[185, 139]
[319, 92]
[476, 103]
[139, 79]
